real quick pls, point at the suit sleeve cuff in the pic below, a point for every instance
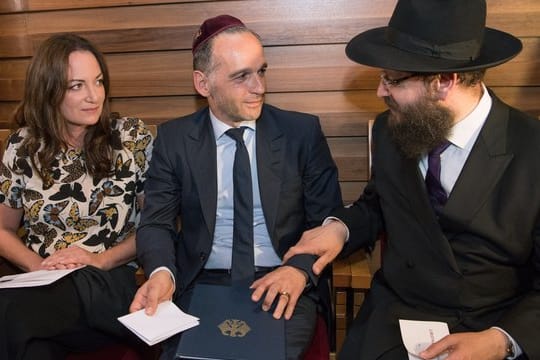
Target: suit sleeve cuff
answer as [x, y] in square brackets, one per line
[305, 263]
[164, 268]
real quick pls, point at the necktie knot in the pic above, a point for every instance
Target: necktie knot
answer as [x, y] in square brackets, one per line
[438, 150]
[237, 134]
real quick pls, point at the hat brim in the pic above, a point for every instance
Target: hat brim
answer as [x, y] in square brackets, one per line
[371, 48]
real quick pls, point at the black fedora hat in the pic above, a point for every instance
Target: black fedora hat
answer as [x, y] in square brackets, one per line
[434, 36]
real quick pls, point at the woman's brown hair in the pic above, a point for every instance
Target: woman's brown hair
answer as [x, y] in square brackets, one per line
[45, 86]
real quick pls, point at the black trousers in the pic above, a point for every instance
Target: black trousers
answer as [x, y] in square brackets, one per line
[299, 330]
[76, 313]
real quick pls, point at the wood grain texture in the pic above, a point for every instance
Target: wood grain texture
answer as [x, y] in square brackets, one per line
[12, 6]
[303, 68]
[147, 45]
[153, 25]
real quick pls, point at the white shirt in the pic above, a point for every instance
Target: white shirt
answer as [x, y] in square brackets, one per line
[462, 137]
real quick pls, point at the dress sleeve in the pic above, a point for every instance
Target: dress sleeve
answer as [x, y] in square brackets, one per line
[12, 174]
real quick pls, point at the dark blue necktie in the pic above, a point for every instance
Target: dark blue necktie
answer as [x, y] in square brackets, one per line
[242, 267]
[436, 193]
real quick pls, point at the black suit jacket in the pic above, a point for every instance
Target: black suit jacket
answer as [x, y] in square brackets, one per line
[478, 264]
[298, 184]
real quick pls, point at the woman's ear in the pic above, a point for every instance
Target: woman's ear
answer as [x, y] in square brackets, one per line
[200, 81]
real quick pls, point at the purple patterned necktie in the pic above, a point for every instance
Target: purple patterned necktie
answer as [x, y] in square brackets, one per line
[436, 193]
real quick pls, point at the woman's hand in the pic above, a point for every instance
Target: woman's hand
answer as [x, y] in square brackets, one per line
[73, 257]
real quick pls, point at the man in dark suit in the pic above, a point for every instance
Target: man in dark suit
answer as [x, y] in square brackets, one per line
[294, 180]
[454, 188]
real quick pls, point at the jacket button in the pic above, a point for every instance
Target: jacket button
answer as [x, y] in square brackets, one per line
[202, 256]
[410, 264]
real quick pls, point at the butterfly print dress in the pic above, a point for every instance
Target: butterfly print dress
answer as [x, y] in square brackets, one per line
[68, 207]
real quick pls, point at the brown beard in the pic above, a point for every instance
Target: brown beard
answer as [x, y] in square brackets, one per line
[417, 128]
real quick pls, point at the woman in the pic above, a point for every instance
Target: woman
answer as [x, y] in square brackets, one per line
[72, 175]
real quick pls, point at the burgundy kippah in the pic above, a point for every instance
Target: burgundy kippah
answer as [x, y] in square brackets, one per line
[213, 26]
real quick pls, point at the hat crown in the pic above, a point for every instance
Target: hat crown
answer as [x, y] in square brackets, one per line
[452, 29]
[429, 36]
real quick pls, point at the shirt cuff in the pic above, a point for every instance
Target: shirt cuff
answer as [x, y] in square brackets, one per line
[329, 219]
[167, 270]
[517, 349]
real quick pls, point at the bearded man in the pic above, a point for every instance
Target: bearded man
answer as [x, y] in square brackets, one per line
[454, 187]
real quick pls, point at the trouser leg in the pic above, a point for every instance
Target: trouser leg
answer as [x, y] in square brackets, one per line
[38, 313]
[300, 328]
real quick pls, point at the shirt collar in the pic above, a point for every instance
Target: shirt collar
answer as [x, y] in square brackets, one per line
[465, 130]
[220, 127]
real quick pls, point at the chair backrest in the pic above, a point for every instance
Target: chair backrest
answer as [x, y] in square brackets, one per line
[370, 145]
[377, 253]
[4, 133]
[153, 129]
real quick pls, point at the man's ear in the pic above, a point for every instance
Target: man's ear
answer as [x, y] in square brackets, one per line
[200, 81]
[445, 83]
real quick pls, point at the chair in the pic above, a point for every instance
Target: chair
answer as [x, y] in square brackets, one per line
[111, 352]
[320, 346]
[4, 133]
[351, 280]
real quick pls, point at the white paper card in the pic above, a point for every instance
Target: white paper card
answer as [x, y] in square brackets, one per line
[33, 278]
[166, 322]
[418, 335]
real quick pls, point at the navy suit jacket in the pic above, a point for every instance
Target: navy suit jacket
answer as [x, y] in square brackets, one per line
[298, 183]
[475, 266]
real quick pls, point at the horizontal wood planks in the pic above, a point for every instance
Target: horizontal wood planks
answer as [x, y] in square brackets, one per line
[147, 46]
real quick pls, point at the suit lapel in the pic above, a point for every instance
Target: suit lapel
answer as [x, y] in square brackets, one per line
[414, 190]
[270, 154]
[201, 152]
[483, 169]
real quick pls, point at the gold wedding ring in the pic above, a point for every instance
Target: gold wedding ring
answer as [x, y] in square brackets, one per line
[286, 294]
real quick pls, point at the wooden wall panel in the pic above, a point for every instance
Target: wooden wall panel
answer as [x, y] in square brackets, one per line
[351, 110]
[36, 5]
[11, 6]
[155, 26]
[340, 113]
[351, 190]
[14, 40]
[291, 69]
[170, 26]
[147, 45]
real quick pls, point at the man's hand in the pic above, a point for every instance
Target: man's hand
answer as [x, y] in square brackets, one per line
[486, 345]
[158, 288]
[284, 285]
[324, 241]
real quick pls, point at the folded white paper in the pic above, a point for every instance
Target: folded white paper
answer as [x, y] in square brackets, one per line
[419, 335]
[33, 278]
[166, 322]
